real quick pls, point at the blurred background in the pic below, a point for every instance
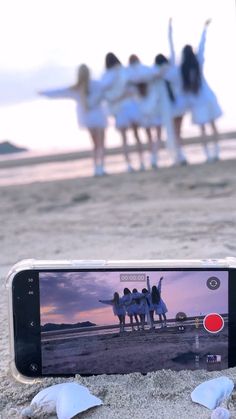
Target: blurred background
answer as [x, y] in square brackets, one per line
[43, 42]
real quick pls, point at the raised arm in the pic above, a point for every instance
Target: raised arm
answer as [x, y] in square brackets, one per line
[110, 302]
[159, 284]
[145, 74]
[148, 284]
[114, 85]
[171, 43]
[139, 73]
[202, 43]
[158, 72]
[65, 93]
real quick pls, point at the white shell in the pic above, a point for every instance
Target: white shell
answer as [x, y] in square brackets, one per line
[220, 413]
[212, 392]
[74, 399]
[67, 400]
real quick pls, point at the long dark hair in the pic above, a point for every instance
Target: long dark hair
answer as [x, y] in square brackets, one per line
[145, 292]
[116, 298]
[137, 299]
[133, 59]
[190, 71]
[111, 60]
[155, 295]
[127, 291]
[161, 59]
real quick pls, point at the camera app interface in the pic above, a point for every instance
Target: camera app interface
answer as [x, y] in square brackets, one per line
[123, 322]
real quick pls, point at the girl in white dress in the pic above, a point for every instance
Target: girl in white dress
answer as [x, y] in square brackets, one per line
[140, 75]
[176, 106]
[179, 103]
[118, 309]
[87, 94]
[154, 104]
[158, 304]
[140, 306]
[159, 107]
[149, 306]
[118, 93]
[201, 99]
[130, 307]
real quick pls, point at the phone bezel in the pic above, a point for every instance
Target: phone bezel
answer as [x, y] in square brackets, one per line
[33, 356]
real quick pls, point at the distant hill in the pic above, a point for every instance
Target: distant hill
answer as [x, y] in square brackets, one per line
[53, 326]
[6, 148]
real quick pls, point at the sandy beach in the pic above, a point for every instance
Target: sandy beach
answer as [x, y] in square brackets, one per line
[132, 351]
[174, 212]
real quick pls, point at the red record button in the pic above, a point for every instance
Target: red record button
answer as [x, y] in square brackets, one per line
[213, 322]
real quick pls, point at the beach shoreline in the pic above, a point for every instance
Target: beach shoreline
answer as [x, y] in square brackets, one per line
[75, 165]
[36, 157]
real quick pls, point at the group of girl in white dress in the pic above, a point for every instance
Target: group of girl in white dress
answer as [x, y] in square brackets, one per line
[140, 306]
[138, 96]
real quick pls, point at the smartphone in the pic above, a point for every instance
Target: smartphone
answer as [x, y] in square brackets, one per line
[118, 317]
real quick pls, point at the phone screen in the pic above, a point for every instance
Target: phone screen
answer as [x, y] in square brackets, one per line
[109, 322]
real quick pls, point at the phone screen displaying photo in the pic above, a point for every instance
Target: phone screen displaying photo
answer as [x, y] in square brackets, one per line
[127, 321]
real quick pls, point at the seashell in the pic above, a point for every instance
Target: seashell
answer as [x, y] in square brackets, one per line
[212, 392]
[74, 399]
[44, 402]
[220, 413]
[67, 400]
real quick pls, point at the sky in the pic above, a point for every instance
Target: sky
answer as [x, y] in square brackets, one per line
[43, 41]
[71, 297]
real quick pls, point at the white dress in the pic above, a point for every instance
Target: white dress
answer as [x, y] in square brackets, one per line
[160, 110]
[149, 305]
[150, 112]
[94, 116]
[129, 304]
[139, 306]
[140, 73]
[156, 93]
[203, 105]
[119, 96]
[180, 105]
[118, 308]
[160, 308]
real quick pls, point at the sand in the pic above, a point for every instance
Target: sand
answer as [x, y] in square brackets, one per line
[185, 212]
[130, 352]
